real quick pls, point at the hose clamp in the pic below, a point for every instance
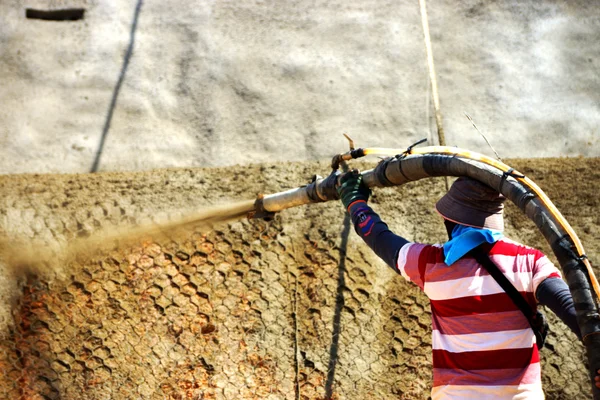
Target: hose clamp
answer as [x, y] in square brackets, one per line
[380, 172]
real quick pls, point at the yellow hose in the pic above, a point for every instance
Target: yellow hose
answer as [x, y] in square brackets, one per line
[504, 168]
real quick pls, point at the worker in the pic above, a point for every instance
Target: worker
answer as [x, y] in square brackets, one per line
[483, 344]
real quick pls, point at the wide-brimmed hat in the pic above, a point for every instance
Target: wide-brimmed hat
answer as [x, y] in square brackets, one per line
[472, 203]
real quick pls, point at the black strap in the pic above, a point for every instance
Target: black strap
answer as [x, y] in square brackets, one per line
[483, 258]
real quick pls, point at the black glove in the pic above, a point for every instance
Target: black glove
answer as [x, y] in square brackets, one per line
[352, 188]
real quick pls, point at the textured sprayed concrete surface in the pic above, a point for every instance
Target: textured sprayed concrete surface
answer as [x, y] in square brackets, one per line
[181, 108]
[298, 308]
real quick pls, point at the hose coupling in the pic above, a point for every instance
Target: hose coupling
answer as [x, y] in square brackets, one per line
[320, 189]
[380, 170]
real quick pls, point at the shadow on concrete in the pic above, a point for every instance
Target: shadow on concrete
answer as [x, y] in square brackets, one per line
[339, 305]
[117, 89]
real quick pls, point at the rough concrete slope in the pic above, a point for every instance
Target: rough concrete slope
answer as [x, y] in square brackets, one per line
[298, 309]
[139, 84]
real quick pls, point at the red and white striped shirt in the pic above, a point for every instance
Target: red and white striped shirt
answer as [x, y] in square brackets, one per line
[483, 346]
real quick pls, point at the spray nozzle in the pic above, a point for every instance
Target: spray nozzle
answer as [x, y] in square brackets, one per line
[260, 211]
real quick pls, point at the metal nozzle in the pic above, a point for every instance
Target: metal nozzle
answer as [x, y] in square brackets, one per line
[259, 210]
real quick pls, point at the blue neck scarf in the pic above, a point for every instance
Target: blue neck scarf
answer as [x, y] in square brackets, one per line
[466, 238]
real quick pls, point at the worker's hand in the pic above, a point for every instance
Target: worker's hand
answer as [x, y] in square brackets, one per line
[352, 188]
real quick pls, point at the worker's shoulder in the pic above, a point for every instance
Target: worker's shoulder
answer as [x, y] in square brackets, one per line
[427, 252]
[424, 246]
[506, 246]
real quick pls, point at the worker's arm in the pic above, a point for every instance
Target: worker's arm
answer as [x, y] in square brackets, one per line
[354, 195]
[554, 293]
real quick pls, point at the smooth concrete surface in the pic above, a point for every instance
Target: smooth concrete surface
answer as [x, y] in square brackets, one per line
[138, 85]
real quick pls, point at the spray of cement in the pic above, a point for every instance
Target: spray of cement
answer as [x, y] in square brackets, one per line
[30, 258]
[24, 260]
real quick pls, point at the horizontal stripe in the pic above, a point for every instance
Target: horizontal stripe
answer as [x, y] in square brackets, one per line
[492, 359]
[514, 263]
[402, 258]
[464, 267]
[429, 257]
[468, 267]
[488, 377]
[517, 339]
[509, 247]
[498, 392]
[482, 285]
[414, 253]
[493, 303]
[490, 322]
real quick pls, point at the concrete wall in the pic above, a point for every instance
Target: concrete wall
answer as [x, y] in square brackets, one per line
[148, 84]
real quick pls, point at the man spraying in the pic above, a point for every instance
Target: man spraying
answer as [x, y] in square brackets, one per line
[484, 344]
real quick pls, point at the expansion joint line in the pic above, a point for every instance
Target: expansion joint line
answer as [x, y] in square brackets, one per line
[433, 80]
[432, 77]
[295, 327]
[296, 345]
